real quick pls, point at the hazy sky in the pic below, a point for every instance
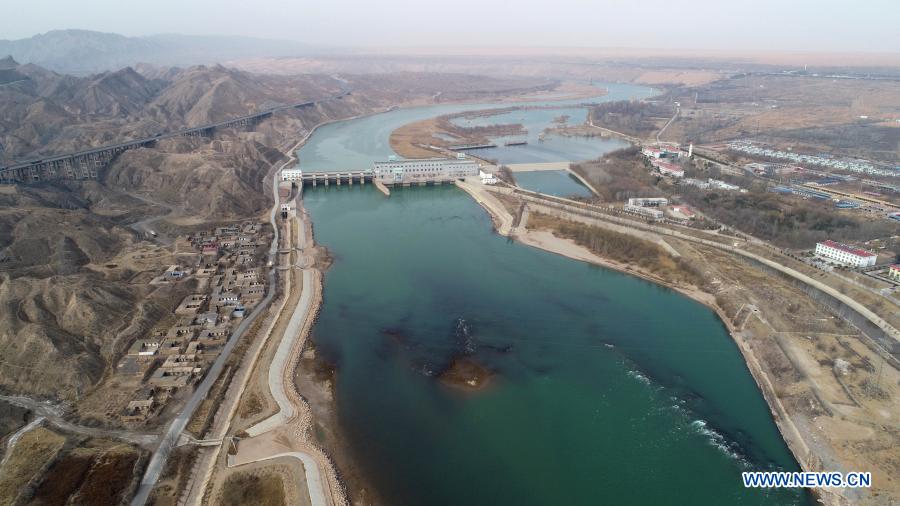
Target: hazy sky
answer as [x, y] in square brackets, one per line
[808, 25]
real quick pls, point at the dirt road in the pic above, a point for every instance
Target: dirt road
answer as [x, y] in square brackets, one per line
[55, 415]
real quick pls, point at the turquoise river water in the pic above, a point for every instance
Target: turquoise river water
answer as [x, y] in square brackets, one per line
[606, 389]
[552, 182]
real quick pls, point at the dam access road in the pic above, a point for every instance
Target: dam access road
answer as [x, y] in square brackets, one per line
[286, 433]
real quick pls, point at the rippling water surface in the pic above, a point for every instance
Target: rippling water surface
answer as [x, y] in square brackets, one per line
[606, 389]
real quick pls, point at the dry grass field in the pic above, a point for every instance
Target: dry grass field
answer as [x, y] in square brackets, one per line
[32, 454]
[853, 117]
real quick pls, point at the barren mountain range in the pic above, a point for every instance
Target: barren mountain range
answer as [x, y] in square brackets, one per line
[73, 265]
[85, 51]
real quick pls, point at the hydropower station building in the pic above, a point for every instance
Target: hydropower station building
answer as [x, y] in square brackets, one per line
[391, 172]
[430, 170]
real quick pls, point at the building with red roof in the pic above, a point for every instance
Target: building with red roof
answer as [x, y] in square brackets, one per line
[894, 272]
[682, 212]
[668, 168]
[844, 254]
[652, 152]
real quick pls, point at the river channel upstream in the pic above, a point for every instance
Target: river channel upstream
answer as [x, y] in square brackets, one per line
[604, 388]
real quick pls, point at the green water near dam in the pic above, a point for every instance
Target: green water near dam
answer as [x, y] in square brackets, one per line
[552, 182]
[606, 389]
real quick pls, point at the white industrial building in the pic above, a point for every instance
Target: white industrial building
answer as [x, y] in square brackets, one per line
[648, 202]
[668, 169]
[291, 175]
[663, 151]
[487, 177]
[651, 152]
[689, 181]
[425, 171]
[649, 212]
[722, 185]
[843, 254]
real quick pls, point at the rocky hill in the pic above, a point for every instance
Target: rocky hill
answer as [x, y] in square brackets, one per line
[43, 112]
[65, 300]
[73, 271]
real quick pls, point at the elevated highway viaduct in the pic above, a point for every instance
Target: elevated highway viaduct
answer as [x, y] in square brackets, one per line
[87, 164]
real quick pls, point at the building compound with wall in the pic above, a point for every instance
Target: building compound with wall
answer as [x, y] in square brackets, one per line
[646, 206]
[844, 254]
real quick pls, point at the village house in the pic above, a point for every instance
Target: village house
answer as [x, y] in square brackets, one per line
[179, 360]
[172, 346]
[252, 293]
[225, 299]
[144, 349]
[205, 272]
[213, 336]
[186, 348]
[209, 318]
[139, 410]
[180, 331]
[172, 378]
[191, 304]
[193, 348]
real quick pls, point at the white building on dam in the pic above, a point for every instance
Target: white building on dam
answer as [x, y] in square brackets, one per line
[430, 170]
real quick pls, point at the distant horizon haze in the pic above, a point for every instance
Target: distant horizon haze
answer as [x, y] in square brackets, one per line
[698, 25]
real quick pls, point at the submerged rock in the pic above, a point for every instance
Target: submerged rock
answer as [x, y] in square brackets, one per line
[465, 373]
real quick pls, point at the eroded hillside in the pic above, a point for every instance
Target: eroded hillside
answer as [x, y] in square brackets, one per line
[76, 257]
